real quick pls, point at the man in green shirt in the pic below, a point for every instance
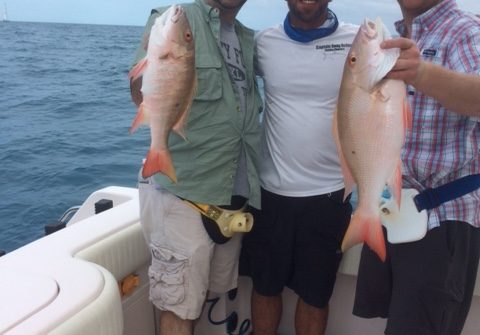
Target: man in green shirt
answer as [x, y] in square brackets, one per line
[216, 166]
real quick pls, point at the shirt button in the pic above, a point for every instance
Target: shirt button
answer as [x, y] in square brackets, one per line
[238, 108]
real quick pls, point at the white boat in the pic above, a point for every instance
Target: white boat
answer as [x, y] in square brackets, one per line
[68, 283]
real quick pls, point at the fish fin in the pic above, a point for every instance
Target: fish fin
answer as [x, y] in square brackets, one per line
[140, 118]
[380, 92]
[179, 127]
[407, 115]
[348, 180]
[348, 190]
[347, 175]
[395, 183]
[138, 69]
[368, 230]
[159, 161]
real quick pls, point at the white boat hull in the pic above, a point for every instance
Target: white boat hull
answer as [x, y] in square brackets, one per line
[68, 283]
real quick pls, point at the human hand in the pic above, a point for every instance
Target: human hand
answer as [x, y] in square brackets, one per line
[409, 66]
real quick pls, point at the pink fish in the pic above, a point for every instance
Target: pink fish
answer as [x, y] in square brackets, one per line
[369, 125]
[168, 86]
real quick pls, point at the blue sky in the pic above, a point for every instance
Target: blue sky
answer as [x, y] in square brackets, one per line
[257, 14]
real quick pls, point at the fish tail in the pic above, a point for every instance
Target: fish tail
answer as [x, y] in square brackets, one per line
[368, 229]
[159, 161]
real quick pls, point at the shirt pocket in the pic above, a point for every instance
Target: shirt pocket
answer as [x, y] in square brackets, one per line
[167, 276]
[209, 78]
[433, 54]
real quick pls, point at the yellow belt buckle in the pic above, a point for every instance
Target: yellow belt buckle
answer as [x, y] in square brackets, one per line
[228, 221]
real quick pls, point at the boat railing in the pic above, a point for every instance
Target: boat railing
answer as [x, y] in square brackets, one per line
[69, 214]
[62, 222]
[99, 206]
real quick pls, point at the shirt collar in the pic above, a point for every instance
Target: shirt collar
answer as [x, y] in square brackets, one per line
[301, 35]
[211, 13]
[431, 18]
[208, 11]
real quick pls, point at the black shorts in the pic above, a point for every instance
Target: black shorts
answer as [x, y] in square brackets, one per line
[424, 287]
[296, 242]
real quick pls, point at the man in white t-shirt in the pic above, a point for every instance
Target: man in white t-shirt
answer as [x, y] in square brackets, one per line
[296, 242]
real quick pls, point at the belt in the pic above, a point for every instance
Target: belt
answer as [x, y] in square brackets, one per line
[434, 197]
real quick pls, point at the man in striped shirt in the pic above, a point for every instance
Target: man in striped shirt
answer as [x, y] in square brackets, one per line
[426, 287]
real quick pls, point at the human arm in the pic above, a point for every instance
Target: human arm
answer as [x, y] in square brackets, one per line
[458, 92]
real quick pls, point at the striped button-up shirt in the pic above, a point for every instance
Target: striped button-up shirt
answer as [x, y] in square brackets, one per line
[443, 146]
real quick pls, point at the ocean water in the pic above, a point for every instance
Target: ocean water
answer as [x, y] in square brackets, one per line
[65, 111]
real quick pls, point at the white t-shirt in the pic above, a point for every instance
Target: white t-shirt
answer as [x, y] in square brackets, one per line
[302, 81]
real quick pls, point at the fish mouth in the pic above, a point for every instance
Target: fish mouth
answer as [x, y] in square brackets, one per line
[371, 28]
[375, 29]
[383, 60]
[177, 13]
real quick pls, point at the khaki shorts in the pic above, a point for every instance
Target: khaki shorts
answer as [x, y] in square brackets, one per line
[186, 263]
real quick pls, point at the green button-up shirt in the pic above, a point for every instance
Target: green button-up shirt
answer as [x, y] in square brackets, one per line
[216, 129]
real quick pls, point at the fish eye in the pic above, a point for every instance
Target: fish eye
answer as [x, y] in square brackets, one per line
[188, 36]
[353, 60]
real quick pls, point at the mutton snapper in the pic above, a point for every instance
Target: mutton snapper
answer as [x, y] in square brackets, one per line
[369, 125]
[168, 86]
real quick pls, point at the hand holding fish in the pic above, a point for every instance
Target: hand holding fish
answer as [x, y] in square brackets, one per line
[453, 90]
[409, 66]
